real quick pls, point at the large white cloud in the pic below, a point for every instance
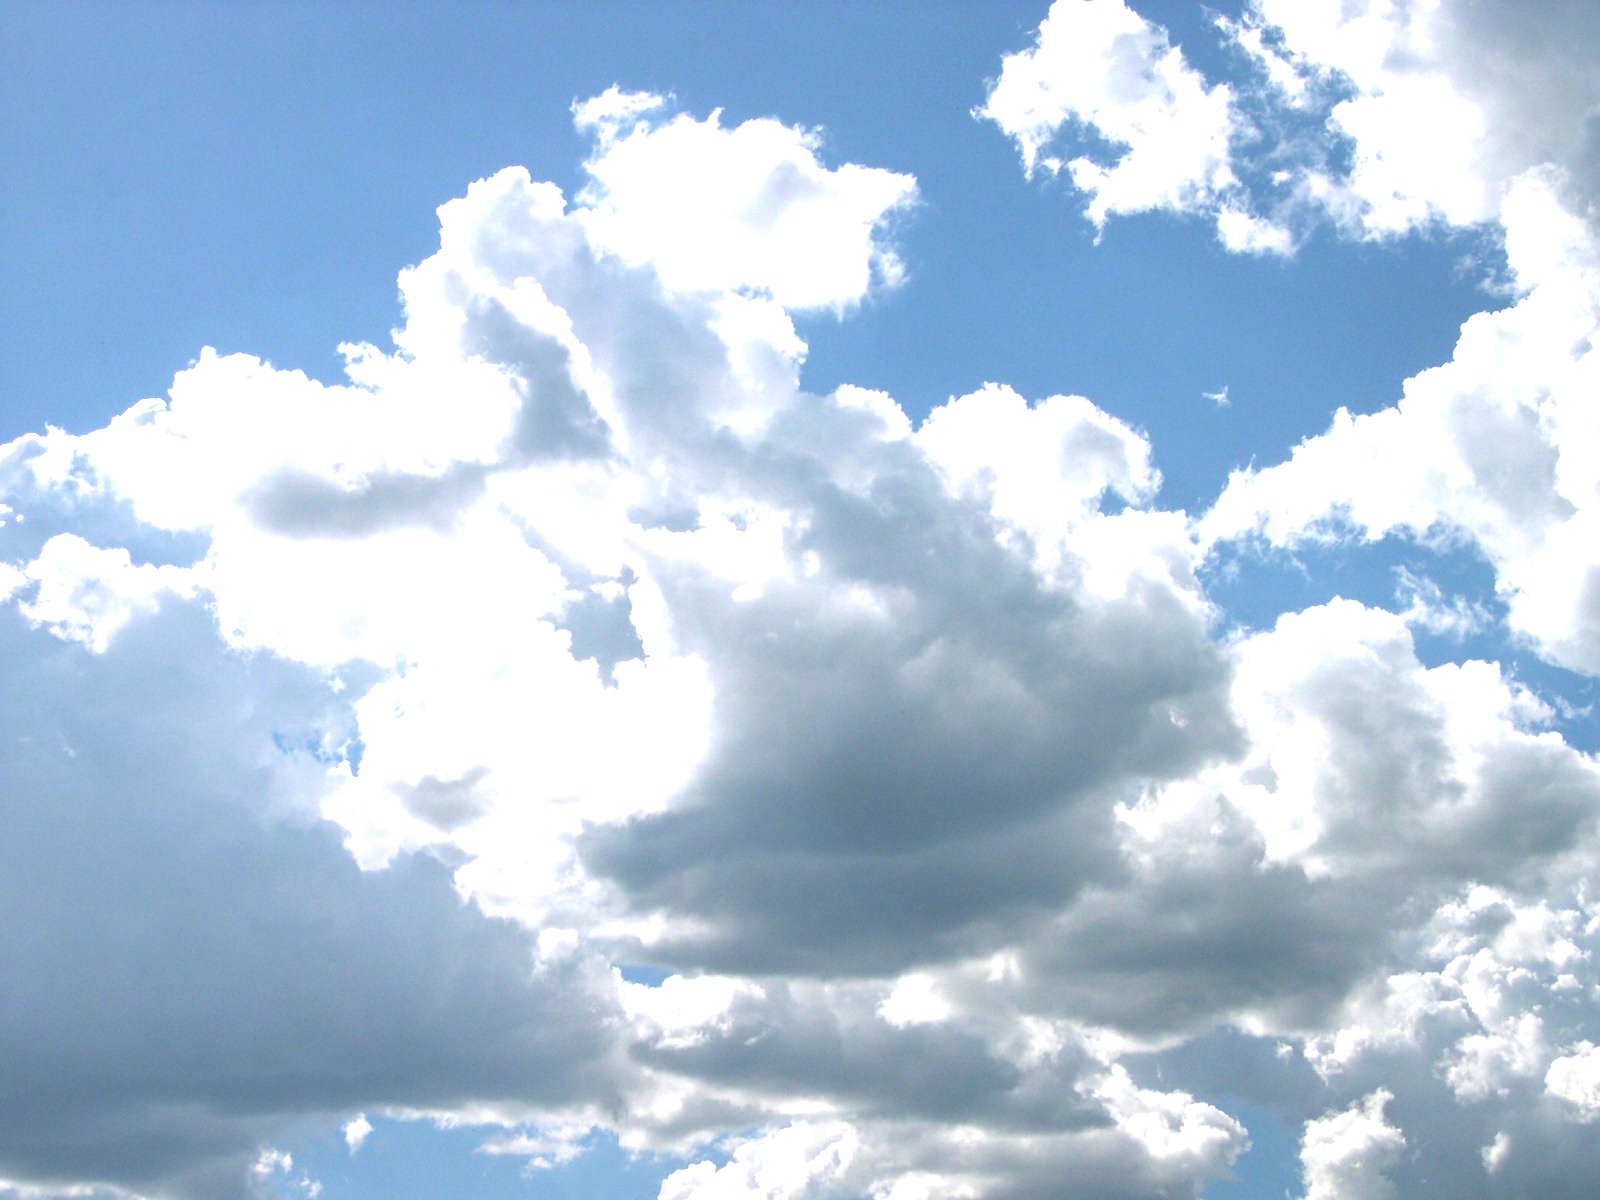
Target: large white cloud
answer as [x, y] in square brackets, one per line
[665, 657]
[911, 750]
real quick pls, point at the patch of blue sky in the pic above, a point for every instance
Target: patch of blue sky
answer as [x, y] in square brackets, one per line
[1253, 584]
[418, 1158]
[233, 181]
[1008, 286]
[1266, 1171]
[644, 973]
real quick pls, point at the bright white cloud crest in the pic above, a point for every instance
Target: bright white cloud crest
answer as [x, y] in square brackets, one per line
[717, 210]
[1382, 115]
[1102, 67]
[980, 855]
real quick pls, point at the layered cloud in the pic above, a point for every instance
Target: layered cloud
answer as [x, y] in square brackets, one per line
[372, 738]
[577, 600]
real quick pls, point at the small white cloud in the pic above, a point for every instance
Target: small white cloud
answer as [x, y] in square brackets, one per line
[1250, 35]
[86, 593]
[1575, 1078]
[272, 1161]
[1496, 1152]
[1172, 1126]
[615, 112]
[914, 1000]
[1427, 607]
[545, 1148]
[1244, 232]
[356, 1131]
[1097, 65]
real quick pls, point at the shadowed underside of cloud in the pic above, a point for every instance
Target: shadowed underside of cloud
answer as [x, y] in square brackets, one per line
[912, 752]
[177, 916]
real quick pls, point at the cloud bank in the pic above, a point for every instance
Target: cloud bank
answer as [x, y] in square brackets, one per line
[361, 733]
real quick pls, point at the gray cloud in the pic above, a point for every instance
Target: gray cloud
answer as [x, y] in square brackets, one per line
[196, 962]
[885, 779]
[300, 504]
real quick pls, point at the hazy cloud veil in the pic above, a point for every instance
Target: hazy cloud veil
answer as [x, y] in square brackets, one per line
[358, 734]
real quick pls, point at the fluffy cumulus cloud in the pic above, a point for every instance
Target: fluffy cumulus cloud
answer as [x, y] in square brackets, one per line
[196, 962]
[1347, 1154]
[360, 733]
[1442, 103]
[592, 638]
[720, 210]
[1382, 116]
[1385, 117]
[1496, 446]
[1159, 136]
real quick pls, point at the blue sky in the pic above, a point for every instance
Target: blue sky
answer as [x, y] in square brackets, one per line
[989, 601]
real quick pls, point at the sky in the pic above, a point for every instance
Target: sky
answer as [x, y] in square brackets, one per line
[800, 602]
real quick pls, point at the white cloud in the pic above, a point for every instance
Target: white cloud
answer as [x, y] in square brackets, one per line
[272, 1162]
[1246, 233]
[1347, 730]
[1446, 103]
[1575, 1078]
[1494, 1154]
[1493, 446]
[1097, 66]
[798, 1162]
[356, 1131]
[1384, 115]
[749, 208]
[549, 1146]
[1347, 1155]
[87, 594]
[1172, 1125]
[1427, 607]
[1041, 469]
[630, 589]
[912, 751]
[914, 1000]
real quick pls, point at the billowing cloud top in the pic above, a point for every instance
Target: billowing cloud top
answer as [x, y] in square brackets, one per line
[361, 733]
